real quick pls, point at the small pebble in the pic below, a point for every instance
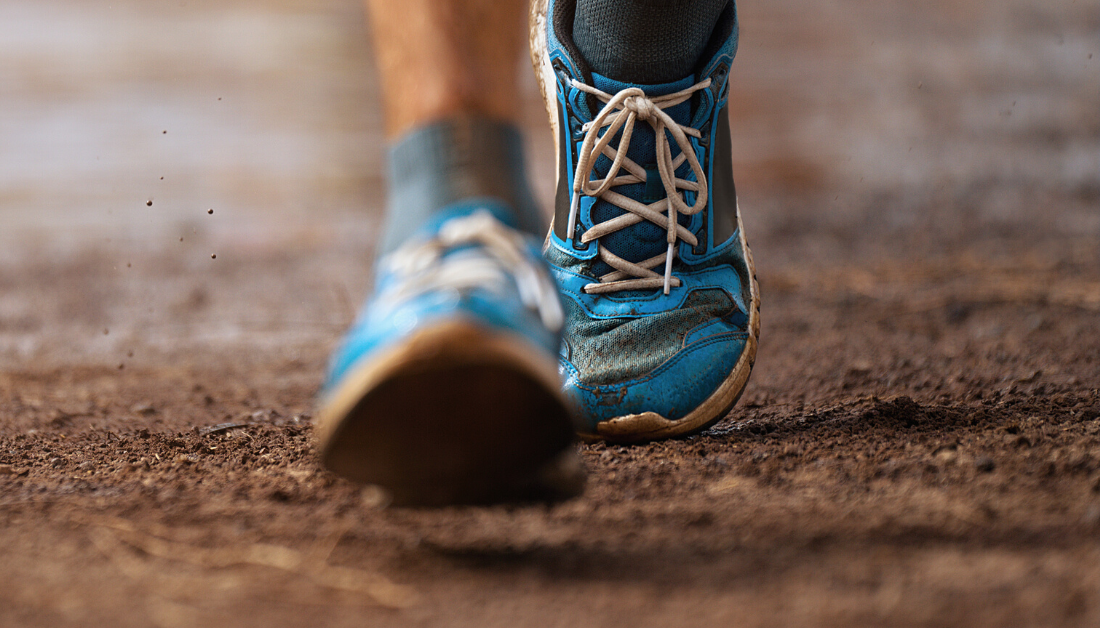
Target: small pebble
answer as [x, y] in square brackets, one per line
[210, 211]
[947, 455]
[213, 256]
[375, 497]
[984, 464]
[56, 462]
[6, 469]
[144, 409]
[148, 203]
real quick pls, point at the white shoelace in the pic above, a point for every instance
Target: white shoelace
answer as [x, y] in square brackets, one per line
[502, 252]
[634, 103]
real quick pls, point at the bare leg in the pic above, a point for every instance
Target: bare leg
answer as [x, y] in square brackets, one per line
[440, 59]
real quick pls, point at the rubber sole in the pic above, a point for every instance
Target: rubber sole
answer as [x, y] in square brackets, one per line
[455, 414]
[647, 426]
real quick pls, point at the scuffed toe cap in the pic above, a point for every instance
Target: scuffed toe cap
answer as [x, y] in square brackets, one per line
[677, 387]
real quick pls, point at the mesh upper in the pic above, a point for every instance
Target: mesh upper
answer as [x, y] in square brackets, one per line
[606, 351]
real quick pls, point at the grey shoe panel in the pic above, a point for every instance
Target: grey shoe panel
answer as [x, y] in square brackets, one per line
[723, 191]
[562, 196]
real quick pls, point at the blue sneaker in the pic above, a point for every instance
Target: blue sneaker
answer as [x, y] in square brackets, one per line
[660, 295]
[446, 389]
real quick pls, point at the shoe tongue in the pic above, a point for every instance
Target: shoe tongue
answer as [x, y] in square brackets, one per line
[645, 239]
[681, 113]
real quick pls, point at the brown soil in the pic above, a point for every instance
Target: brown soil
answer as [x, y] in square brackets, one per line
[919, 444]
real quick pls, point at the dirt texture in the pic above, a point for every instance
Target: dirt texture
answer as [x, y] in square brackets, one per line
[919, 444]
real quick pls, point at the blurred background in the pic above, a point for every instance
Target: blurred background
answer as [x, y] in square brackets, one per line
[919, 444]
[865, 132]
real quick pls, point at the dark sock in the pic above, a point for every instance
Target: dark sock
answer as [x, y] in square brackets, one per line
[443, 163]
[644, 41]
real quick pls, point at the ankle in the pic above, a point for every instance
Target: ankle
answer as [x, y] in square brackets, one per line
[452, 160]
[646, 41]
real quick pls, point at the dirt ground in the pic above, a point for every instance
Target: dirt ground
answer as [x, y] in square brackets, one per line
[918, 446]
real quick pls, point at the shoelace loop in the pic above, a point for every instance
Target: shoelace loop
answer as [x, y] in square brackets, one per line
[502, 252]
[621, 111]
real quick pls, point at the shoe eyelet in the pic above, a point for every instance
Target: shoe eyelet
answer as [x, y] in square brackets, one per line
[578, 231]
[576, 128]
[701, 248]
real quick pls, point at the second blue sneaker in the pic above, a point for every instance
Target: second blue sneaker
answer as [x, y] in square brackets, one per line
[661, 300]
[446, 389]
